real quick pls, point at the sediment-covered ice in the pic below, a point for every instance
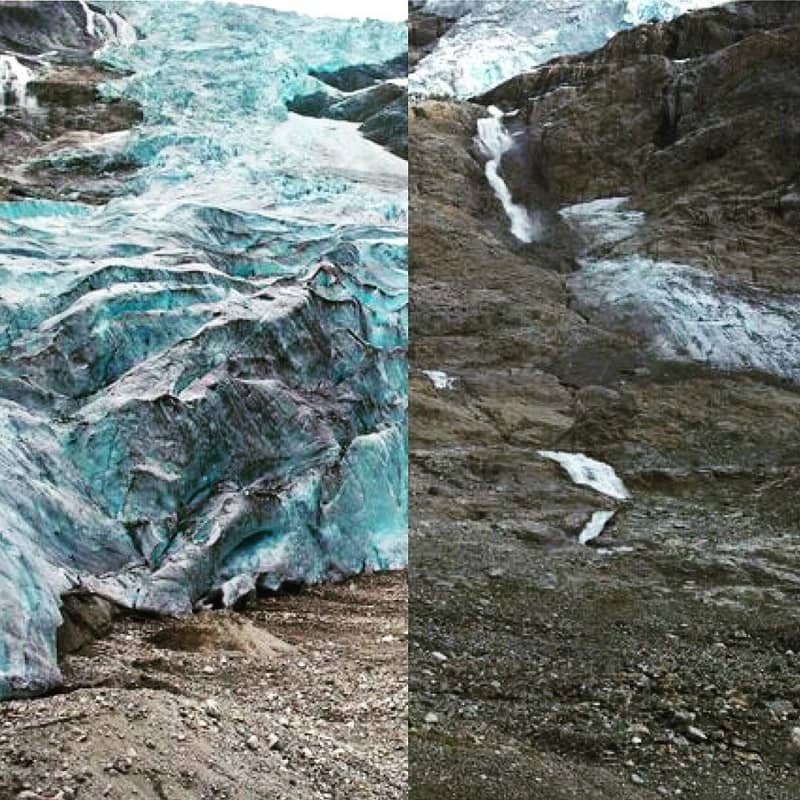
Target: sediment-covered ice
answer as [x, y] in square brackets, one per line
[589, 472]
[203, 383]
[494, 40]
[686, 314]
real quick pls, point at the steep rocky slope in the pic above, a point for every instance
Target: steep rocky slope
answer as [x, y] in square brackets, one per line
[653, 324]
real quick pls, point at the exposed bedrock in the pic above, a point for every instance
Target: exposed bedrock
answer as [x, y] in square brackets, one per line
[653, 327]
[696, 120]
[376, 96]
[697, 123]
[424, 31]
[51, 102]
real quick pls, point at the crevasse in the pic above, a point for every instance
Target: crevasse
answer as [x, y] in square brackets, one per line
[203, 381]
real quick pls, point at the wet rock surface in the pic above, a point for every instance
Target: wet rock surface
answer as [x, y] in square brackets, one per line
[661, 659]
[303, 695]
[59, 108]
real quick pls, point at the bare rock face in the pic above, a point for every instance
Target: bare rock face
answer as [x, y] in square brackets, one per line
[424, 31]
[51, 103]
[696, 120]
[653, 326]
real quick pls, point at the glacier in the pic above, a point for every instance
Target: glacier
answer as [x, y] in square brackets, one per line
[494, 40]
[203, 380]
[683, 313]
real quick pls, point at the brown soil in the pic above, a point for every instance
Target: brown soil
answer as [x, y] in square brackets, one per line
[296, 696]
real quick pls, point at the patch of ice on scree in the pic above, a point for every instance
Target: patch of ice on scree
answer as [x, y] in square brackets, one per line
[587, 471]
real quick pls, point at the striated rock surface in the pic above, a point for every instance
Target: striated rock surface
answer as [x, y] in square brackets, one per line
[653, 327]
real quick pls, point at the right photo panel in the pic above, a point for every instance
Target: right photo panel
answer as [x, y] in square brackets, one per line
[604, 370]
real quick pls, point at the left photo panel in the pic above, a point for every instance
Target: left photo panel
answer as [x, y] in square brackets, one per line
[203, 399]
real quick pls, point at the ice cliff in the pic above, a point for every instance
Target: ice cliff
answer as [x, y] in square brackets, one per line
[202, 378]
[493, 40]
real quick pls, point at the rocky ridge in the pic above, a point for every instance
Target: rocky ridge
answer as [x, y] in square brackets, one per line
[660, 660]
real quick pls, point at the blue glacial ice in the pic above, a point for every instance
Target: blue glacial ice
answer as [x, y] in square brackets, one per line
[203, 382]
[494, 40]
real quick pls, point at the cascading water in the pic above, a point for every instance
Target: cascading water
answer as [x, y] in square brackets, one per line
[203, 380]
[14, 79]
[494, 141]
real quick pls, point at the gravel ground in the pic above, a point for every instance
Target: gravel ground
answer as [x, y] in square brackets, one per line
[296, 696]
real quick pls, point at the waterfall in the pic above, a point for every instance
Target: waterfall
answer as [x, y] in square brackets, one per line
[14, 79]
[494, 140]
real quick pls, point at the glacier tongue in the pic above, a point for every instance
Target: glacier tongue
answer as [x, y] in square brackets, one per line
[203, 383]
[494, 40]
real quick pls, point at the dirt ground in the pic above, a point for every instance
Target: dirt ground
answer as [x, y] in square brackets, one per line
[296, 696]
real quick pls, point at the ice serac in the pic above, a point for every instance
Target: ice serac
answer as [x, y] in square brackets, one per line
[203, 383]
[493, 40]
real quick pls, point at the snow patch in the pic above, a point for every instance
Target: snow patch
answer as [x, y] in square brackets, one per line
[587, 471]
[440, 380]
[595, 526]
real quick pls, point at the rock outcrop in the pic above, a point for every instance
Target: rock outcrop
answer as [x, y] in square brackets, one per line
[374, 95]
[653, 326]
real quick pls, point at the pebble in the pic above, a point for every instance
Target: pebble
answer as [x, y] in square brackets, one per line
[695, 734]
[252, 742]
[431, 718]
[212, 709]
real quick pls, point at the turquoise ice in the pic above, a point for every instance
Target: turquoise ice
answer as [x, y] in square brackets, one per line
[203, 382]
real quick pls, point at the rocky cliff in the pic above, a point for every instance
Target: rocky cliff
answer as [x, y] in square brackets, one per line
[651, 320]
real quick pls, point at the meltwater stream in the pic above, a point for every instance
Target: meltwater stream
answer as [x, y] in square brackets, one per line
[203, 381]
[494, 141]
